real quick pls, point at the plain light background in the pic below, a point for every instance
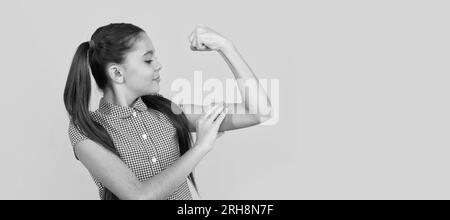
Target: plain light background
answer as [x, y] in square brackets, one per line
[364, 95]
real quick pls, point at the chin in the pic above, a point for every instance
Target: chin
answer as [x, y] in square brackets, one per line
[155, 90]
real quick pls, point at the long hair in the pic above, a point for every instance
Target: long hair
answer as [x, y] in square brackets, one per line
[109, 44]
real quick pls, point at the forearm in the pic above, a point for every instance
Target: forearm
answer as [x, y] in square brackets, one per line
[255, 98]
[166, 182]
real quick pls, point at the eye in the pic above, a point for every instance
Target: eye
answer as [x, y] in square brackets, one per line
[149, 61]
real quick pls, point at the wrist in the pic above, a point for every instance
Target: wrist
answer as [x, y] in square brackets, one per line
[201, 149]
[226, 46]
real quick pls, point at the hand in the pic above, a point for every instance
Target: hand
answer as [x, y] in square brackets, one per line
[204, 38]
[208, 125]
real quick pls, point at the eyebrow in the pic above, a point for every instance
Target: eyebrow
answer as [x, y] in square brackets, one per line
[151, 52]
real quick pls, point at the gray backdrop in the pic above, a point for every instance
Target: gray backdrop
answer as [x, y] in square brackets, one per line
[364, 95]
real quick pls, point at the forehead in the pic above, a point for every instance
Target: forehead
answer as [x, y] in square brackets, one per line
[142, 45]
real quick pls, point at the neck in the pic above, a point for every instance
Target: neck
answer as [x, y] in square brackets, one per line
[119, 98]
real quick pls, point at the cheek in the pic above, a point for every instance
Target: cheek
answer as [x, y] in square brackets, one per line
[141, 77]
[145, 73]
[138, 79]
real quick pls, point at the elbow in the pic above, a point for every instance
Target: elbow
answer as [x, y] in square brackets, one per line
[137, 193]
[135, 196]
[142, 193]
[265, 114]
[263, 118]
[139, 197]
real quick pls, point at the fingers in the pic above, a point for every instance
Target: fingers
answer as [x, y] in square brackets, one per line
[220, 119]
[192, 40]
[198, 43]
[215, 113]
[208, 112]
[212, 108]
[191, 36]
[195, 41]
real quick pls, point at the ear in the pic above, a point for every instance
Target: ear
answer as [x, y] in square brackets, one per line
[115, 72]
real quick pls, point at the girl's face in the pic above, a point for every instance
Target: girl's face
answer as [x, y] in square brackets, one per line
[141, 69]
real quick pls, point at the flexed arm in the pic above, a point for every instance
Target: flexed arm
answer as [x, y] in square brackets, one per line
[256, 107]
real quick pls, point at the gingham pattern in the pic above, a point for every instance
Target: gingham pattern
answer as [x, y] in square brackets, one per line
[145, 139]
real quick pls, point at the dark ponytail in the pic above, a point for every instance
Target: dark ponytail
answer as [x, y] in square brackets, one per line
[76, 99]
[109, 44]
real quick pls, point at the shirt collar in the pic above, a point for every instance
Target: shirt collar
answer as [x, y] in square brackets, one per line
[121, 111]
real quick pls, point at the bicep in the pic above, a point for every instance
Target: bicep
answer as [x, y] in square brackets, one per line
[236, 118]
[108, 168]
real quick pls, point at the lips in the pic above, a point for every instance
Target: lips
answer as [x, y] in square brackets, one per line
[158, 78]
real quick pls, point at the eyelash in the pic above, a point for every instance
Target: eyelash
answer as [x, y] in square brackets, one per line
[149, 61]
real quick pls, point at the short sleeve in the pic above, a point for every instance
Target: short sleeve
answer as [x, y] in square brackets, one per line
[75, 135]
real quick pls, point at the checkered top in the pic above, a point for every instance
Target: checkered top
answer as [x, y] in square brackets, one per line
[144, 138]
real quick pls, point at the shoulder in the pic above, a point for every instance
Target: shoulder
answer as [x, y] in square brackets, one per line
[76, 134]
[79, 138]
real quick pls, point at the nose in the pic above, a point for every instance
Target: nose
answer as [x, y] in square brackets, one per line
[158, 65]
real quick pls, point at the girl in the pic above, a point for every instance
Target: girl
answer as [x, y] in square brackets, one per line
[135, 145]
